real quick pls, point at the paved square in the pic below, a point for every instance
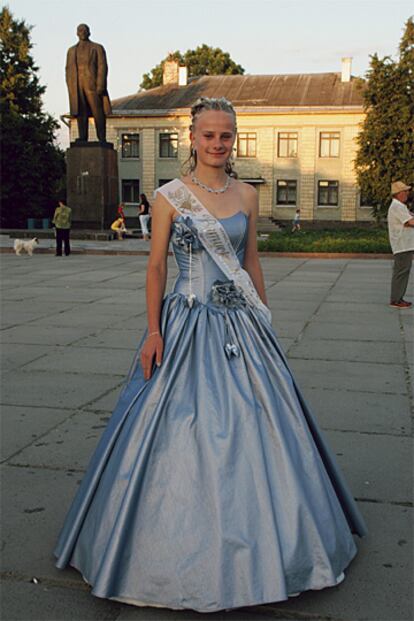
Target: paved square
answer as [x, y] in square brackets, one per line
[69, 332]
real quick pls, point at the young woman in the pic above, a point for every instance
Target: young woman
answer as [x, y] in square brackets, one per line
[212, 487]
[144, 216]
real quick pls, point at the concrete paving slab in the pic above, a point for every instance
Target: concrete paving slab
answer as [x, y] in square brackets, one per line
[343, 316]
[289, 329]
[118, 310]
[45, 307]
[279, 315]
[354, 332]
[21, 426]
[70, 445]
[132, 613]
[71, 318]
[94, 276]
[35, 502]
[360, 411]
[295, 295]
[358, 294]
[75, 359]
[344, 375]
[114, 339]
[106, 403]
[358, 351]
[376, 466]
[117, 298]
[42, 335]
[15, 355]
[370, 309]
[54, 389]
[378, 583]
[22, 601]
[63, 294]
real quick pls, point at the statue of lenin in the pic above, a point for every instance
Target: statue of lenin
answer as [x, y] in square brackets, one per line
[86, 75]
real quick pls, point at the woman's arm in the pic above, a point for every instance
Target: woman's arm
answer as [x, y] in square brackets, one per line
[251, 258]
[155, 282]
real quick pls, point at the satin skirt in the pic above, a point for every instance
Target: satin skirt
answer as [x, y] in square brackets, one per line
[211, 487]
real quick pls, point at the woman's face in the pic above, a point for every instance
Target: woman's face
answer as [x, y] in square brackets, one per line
[213, 137]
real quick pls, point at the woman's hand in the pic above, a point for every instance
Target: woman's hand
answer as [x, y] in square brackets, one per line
[153, 346]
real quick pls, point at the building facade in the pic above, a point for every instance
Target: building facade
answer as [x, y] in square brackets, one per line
[296, 139]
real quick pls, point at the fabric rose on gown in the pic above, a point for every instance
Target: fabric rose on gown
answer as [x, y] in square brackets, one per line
[227, 294]
[185, 234]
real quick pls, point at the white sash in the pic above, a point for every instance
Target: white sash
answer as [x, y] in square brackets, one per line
[214, 239]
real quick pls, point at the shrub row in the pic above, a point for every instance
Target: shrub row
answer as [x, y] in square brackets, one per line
[350, 240]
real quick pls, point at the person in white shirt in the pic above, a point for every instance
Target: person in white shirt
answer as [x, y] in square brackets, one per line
[401, 234]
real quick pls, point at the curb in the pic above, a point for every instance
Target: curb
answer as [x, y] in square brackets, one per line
[268, 254]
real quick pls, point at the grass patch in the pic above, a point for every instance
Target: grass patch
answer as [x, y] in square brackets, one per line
[336, 240]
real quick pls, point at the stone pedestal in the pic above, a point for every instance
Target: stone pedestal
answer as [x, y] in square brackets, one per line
[92, 184]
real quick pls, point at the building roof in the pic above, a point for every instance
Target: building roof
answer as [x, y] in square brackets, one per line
[303, 90]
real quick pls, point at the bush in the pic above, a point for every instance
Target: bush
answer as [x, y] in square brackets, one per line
[350, 240]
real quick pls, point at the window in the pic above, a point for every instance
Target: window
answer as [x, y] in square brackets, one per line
[163, 182]
[365, 200]
[130, 145]
[246, 144]
[286, 192]
[328, 193]
[168, 145]
[287, 144]
[130, 191]
[329, 144]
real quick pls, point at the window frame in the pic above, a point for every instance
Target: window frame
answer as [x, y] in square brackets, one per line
[279, 183]
[360, 204]
[124, 182]
[248, 137]
[162, 137]
[333, 136]
[162, 182]
[328, 181]
[130, 157]
[287, 140]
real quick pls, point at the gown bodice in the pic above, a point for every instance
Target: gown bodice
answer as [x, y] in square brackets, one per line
[204, 271]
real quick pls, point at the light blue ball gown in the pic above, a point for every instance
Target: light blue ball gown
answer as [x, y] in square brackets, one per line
[212, 486]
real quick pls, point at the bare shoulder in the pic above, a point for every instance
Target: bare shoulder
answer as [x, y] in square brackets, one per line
[249, 197]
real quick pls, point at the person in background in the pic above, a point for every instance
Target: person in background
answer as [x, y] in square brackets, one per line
[62, 221]
[144, 216]
[119, 228]
[120, 211]
[401, 234]
[296, 221]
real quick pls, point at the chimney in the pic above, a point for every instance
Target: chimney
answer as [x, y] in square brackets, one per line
[170, 72]
[182, 76]
[346, 69]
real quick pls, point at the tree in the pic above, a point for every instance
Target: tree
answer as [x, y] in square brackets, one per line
[32, 166]
[204, 60]
[386, 141]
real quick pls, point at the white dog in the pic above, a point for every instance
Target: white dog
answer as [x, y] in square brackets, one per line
[26, 246]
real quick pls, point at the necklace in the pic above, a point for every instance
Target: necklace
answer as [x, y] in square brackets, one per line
[208, 189]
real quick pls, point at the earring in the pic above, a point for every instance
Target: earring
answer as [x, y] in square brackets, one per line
[193, 158]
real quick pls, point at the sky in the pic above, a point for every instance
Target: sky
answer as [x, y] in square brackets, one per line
[264, 36]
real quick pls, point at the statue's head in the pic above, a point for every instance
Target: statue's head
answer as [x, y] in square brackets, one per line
[83, 32]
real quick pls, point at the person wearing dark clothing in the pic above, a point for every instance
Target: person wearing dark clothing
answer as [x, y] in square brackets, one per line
[144, 216]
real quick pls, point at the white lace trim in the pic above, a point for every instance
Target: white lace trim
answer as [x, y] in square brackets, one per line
[214, 239]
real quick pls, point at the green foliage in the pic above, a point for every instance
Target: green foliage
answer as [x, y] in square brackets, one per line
[204, 60]
[350, 240]
[386, 142]
[32, 166]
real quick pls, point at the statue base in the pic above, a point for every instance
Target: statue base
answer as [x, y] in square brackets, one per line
[92, 184]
